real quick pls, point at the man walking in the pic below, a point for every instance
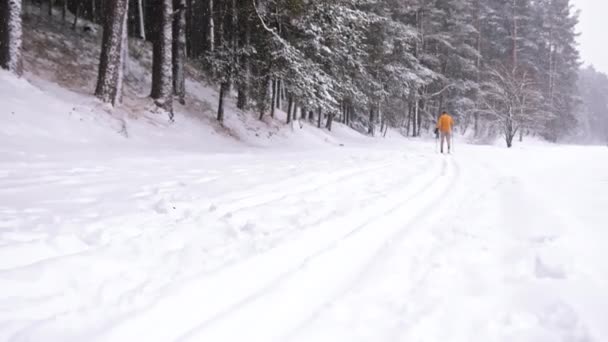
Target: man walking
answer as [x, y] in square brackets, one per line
[445, 123]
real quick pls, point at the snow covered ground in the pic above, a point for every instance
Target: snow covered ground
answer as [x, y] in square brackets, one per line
[177, 233]
[388, 243]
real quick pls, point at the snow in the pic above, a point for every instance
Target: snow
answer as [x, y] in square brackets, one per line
[181, 233]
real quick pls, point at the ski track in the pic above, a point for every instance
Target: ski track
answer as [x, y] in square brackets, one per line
[86, 248]
[441, 282]
[295, 257]
[376, 235]
[357, 245]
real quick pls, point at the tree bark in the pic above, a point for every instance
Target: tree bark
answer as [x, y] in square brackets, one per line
[111, 61]
[409, 119]
[319, 117]
[419, 119]
[416, 119]
[278, 93]
[162, 58]
[211, 28]
[11, 36]
[224, 87]
[273, 98]
[77, 11]
[179, 50]
[64, 10]
[263, 100]
[330, 120]
[289, 108]
[50, 8]
[243, 86]
[142, 18]
[347, 114]
[370, 129]
[514, 36]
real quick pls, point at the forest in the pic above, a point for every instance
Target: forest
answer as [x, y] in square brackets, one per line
[501, 68]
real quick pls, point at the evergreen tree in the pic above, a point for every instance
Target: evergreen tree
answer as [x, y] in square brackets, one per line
[10, 36]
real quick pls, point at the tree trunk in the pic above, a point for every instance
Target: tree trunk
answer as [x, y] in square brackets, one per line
[380, 117]
[514, 35]
[476, 124]
[289, 109]
[189, 19]
[419, 119]
[509, 131]
[346, 113]
[211, 28]
[124, 57]
[274, 96]
[142, 16]
[319, 117]
[303, 113]
[349, 114]
[330, 120]
[241, 100]
[278, 94]
[179, 50]
[415, 123]
[162, 60]
[94, 10]
[11, 36]
[243, 87]
[111, 61]
[409, 120]
[50, 8]
[79, 6]
[64, 10]
[224, 87]
[371, 128]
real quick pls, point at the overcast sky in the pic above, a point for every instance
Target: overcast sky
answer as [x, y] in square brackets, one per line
[593, 27]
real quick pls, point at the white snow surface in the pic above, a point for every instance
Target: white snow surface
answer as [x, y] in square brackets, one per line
[180, 234]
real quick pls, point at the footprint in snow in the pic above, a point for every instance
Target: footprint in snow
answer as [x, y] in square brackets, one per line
[542, 270]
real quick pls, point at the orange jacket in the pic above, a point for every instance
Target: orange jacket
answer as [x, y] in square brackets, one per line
[445, 123]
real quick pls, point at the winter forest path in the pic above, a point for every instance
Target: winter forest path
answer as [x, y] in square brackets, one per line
[345, 244]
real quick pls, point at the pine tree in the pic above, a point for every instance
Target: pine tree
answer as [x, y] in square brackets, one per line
[10, 36]
[179, 50]
[558, 64]
[111, 61]
[162, 61]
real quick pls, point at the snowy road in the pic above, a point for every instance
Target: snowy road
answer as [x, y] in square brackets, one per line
[350, 244]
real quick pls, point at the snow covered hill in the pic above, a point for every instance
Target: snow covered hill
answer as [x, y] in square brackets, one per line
[54, 103]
